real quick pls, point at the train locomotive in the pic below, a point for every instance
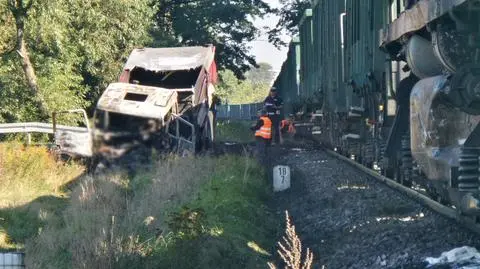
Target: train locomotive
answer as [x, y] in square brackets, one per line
[394, 85]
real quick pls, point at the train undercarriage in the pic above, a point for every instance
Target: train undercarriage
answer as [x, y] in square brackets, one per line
[434, 140]
[411, 109]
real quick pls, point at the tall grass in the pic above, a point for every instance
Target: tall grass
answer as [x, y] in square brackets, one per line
[116, 222]
[234, 131]
[27, 173]
[31, 191]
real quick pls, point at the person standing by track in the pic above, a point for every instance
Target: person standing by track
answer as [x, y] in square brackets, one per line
[273, 104]
[263, 136]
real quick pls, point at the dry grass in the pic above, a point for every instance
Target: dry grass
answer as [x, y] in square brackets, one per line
[113, 222]
[27, 173]
[291, 249]
[31, 190]
[116, 222]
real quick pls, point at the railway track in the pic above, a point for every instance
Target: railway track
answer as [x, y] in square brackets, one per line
[469, 222]
[353, 217]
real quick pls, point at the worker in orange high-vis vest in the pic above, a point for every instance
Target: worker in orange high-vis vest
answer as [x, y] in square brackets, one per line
[287, 126]
[263, 135]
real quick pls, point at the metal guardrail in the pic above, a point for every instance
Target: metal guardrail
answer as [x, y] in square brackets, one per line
[238, 112]
[12, 260]
[37, 127]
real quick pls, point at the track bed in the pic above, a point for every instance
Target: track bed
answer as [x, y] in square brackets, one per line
[351, 220]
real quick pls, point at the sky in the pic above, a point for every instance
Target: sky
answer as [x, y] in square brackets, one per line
[262, 49]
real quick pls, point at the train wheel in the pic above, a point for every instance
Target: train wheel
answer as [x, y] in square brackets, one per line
[400, 175]
[397, 173]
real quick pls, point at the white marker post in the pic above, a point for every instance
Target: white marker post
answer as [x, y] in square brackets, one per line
[281, 178]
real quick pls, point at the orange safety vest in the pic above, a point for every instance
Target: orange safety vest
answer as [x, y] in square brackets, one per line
[266, 130]
[284, 123]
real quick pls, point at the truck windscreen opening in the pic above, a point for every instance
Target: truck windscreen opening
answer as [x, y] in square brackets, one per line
[168, 79]
[135, 97]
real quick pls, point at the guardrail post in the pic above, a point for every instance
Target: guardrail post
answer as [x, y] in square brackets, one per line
[29, 139]
[54, 122]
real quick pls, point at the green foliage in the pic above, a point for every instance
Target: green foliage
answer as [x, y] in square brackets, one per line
[225, 24]
[31, 191]
[234, 131]
[263, 74]
[290, 15]
[76, 47]
[239, 221]
[251, 90]
[187, 223]
[219, 219]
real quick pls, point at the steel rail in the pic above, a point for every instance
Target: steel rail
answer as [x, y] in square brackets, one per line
[467, 221]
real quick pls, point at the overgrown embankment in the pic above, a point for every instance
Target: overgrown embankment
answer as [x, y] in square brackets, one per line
[204, 212]
[183, 213]
[234, 131]
[32, 185]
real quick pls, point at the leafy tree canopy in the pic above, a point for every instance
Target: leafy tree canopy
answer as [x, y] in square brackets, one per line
[253, 89]
[263, 74]
[225, 24]
[61, 54]
[76, 48]
[290, 15]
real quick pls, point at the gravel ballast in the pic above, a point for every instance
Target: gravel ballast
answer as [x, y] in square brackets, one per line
[350, 220]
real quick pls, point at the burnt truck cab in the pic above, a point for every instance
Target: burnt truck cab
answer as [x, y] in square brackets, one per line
[164, 99]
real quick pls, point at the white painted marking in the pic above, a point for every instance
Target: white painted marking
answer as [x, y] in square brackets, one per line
[281, 178]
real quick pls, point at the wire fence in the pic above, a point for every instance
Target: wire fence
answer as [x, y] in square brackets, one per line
[238, 112]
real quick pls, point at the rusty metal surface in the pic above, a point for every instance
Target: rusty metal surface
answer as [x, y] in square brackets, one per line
[416, 18]
[437, 130]
[167, 59]
[158, 103]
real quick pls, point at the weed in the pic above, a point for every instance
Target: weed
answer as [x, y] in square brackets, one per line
[188, 223]
[291, 249]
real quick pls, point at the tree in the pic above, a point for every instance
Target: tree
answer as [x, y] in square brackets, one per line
[261, 75]
[224, 24]
[251, 90]
[69, 50]
[76, 47]
[290, 15]
[19, 11]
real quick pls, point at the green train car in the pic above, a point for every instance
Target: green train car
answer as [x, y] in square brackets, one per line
[395, 85]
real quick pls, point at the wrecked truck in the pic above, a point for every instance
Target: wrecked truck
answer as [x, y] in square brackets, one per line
[163, 99]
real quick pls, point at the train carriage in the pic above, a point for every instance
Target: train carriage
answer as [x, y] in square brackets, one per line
[396, 85]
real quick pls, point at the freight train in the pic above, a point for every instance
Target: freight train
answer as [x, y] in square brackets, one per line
[395, 85]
